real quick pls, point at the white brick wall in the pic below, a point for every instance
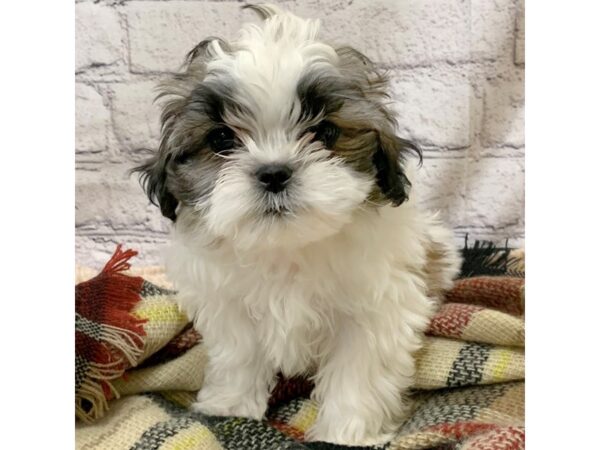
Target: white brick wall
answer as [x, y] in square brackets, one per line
[457, 69]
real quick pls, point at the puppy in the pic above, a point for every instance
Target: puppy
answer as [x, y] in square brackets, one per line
[295, 246]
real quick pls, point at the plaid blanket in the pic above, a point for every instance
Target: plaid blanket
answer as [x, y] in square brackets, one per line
[139, 364]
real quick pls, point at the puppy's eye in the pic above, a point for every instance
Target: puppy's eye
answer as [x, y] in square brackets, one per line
[326, 132]
[221, 139]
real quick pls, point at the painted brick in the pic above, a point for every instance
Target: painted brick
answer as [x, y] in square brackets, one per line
[492, 29]
[94, 251]
[418, 32]
[93, 119]
[396, 33]
[440, 186]
[495, 194]
[504, 121]
[136, 118]
[520, 34]
[161, 33]
[433, 106]
[98, 36]
[112, 199]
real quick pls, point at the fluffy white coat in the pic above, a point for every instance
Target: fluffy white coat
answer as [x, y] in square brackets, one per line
[351, 308]
[340, 290]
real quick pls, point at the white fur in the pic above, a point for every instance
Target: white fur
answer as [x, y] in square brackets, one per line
[338, 288]
[352, 305]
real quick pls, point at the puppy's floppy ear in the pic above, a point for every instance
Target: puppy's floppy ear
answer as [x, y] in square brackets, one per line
[153, 177]
[388, 160]
[390, 150]
[176, 93]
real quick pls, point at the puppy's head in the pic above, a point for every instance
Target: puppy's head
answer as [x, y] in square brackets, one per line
[275, 139]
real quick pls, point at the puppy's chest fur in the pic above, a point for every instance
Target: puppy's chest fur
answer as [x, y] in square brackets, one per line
[291, 316]
[295, 303]
[293, 308]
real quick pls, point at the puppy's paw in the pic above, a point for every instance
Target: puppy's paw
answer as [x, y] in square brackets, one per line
[212, 404]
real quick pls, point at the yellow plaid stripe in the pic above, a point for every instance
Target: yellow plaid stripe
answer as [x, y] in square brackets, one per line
[305, 417]
[196, 437]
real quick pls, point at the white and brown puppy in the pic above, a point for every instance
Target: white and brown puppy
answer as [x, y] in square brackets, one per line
[295, 247]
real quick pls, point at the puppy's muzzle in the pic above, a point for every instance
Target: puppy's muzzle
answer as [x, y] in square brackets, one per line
[274, 177]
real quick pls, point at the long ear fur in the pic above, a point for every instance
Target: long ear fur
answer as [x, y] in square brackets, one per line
[153, 173]
[153, 177]
[388, 161]
[391, 150]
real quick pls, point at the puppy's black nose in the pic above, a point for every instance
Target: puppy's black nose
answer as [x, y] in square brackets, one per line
[274, 177]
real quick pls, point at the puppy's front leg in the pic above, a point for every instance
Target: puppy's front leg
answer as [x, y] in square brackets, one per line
[359, 385]
[237, 378]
